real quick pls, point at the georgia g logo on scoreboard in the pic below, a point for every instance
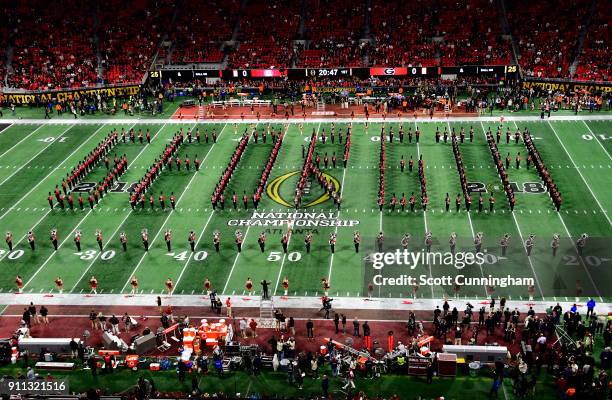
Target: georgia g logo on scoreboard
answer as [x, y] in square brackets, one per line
[389, 71]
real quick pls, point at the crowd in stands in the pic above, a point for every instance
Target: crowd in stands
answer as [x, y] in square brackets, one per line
[459, 24]
[546, 46]
[116, 43]
[48, 55]
[594, 59]
[333, 29]
[266, 34]
[129, 34]
[217, 19]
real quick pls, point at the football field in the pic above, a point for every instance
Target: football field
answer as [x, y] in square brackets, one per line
[34, 157]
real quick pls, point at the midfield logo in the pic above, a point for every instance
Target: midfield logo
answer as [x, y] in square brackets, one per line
[273, 190]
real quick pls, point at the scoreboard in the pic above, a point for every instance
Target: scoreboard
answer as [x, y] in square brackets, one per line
[188, 74]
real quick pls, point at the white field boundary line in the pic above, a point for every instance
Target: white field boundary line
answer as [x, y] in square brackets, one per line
[35, 155]
[69, 236]
[184, 268]
[19, 142]
[469, 217]
[518, 228]
[119, 225]
[182, 121]
[596, 139]
[161, 228]
[580, 173]
[49, 210]
[50, 173]
[425, 212]
[300, 302]
[288, 226]
[246, 233]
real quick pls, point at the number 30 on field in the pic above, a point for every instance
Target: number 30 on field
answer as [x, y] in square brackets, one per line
[276, 256]
[88, 255]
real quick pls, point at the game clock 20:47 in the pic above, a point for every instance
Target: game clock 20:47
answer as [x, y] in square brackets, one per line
[333, 72]
[34, 387]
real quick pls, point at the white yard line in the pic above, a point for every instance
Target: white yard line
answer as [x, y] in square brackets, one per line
[161, 228]
[280, 271]
[425, 213]
[518, 228]
[35, 155]
[580, 173]
[50, 173]
[484, 133]
[212, 212]
[331, 260]
[596, 139]
[19, 142]
[229, 276]
[569, 236]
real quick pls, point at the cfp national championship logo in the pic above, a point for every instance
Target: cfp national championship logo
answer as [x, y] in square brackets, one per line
[273, 190]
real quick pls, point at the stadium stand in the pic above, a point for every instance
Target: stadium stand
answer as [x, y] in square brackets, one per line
[403, 34]
[217, 19]
[126, 48]
[465, 39]
[546, 51]
[333, 29]
[50, 56]
[102, 44]
[4, 39]
[594, 59]
[266, 33]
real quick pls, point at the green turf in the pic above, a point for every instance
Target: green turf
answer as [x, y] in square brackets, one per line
[275, 383]
[576, 152]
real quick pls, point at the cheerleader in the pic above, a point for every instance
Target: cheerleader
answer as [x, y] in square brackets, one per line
[325, 284]
[19, 283]
[93, 284]
[207, 286]
[249, 286]
[169, 286]
[134, 284]
[59, 284]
